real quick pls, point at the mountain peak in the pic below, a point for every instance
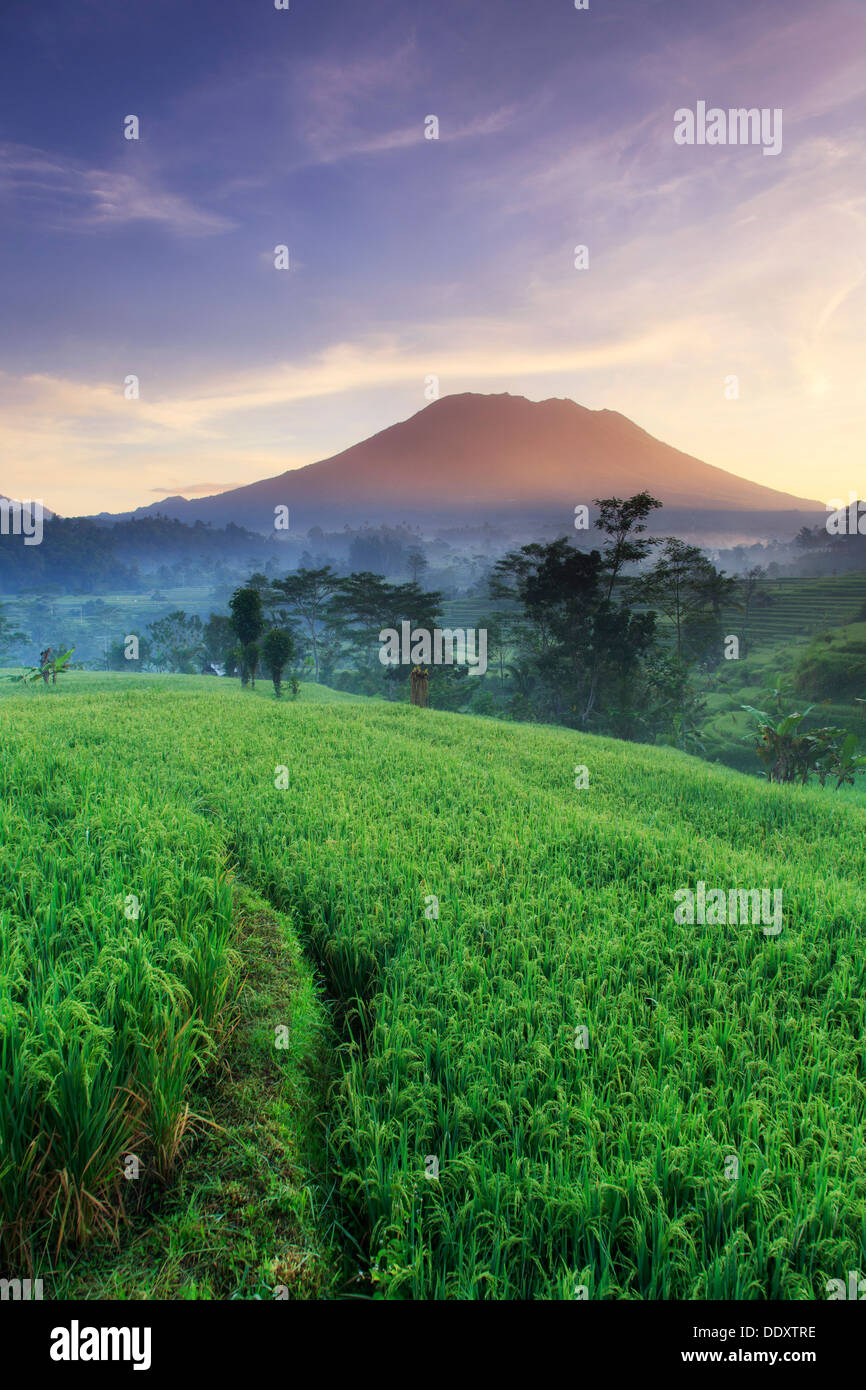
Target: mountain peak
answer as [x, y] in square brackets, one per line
[471, 453]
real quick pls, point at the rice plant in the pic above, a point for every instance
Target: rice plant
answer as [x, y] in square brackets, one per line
[547, 1082]
[115, 921]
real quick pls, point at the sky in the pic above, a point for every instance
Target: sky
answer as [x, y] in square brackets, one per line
[723, 307]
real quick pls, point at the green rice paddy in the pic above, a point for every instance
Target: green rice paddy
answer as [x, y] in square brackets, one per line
[543, 1084]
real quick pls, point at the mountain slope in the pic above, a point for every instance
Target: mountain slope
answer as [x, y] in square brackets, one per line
[471, 453]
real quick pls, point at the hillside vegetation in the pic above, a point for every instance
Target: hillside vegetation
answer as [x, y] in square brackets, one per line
[833, 667]
[471, 912]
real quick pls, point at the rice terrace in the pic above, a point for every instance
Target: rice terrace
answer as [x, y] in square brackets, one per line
[432, 680]
[452, 1034]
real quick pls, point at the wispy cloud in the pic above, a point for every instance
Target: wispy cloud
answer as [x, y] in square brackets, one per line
[461, 351]
[193, 489]
[345, 108]
[82, 198]
[119, 198]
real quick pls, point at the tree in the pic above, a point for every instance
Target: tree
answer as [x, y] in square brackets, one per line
[807, 539]
[10, 636]
[585, 648]
[366, 604]
[379, 548]
[753, 594]
[220, 639]
[499, 642]
[308, 594]
[176, 642]
[675, 583]
[693, 595]
[248, 622]
[416, 563]
[714, 593]
[622, 520]
[620, 637]
[117, 659]
[559, 589]
[250, 663]
[234, 661]
[277, 651]
[672, 707]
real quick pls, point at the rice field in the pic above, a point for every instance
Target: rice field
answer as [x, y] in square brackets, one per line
[115, 962]
[798, 608]
[547, 1087]
[801, 607]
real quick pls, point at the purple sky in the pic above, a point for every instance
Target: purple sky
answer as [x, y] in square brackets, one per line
[410, 257]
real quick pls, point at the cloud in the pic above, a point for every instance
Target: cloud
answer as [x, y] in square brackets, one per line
[352, 145]
[119, 198]
[99, 411]
[85, 197]
[344, 107]
[193, 489]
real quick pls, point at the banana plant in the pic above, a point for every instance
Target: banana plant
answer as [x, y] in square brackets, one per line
[850, 762]
[791, 753]
[54, 666]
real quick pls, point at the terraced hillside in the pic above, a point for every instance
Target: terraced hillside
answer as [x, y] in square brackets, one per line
[547, 1083]
[801, 607]
[796, 608]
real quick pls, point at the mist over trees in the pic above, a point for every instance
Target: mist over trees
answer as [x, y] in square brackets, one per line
[81, 556]
[613, 632]
[608, 639]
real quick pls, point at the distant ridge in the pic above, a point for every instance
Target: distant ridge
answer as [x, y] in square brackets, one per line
[476, 455]
[28, 502]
